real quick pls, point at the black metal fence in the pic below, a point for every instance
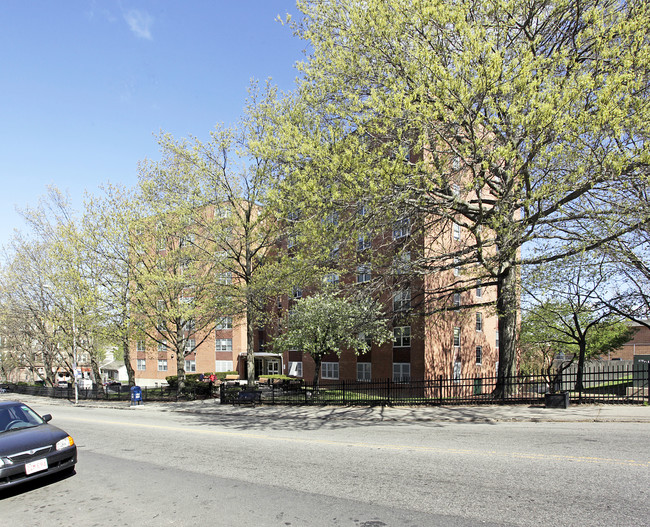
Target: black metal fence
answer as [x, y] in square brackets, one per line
[110, 393]
[613, 385]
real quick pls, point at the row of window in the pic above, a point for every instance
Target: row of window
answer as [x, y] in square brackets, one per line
[190, 365]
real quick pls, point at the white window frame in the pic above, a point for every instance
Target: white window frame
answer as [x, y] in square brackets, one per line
[402, 262]
[402, 337]
[223, 323]
[401, 228]
[363, 242]
[141, 364]
[162, 346]
[190, 345]
[479, 322]
[162, 365]
[458, 370]
[190, 366]
[457, 337]
[295, 368]
[332, 278]
[456, 231]
[456, 299]
[223, 365]
[140, 346]
[479, 289]
[401, 372]
[479, 355]
[329, 370]
[296, 292]
[364, 371]
[364, 273]
[223, 344]
[402, 300]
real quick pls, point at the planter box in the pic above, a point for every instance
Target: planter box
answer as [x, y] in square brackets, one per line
[557, 400]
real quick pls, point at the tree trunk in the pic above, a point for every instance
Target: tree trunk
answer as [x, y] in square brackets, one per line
[250, 347]
[581, 366]
[317, 361]
[126, 355]
[507, 307]
[95, 369]
[180, 375]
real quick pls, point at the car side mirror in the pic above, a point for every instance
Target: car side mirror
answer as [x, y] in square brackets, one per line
[47, 417]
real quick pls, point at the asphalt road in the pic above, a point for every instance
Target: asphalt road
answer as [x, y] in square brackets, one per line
[154, 466]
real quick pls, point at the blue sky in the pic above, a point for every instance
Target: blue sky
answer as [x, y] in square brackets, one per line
[85, 85]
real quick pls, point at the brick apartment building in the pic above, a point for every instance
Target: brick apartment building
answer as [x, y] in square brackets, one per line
[450, 342]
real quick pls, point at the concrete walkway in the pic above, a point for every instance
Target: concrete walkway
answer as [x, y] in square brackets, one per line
[450, 414]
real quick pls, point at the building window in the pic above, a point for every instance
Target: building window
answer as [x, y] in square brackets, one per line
[332, 278]
[190, 366]
[456, 267]
[401, 371]
[363, 242]
[295, 368]
[496, 344]
[479, 354]
[402, 337]
[363, 274]
[162, 364]
[141, 364]
[162, 346]
[456, 231]
[456, 299]
[297, 292]
[332, 218]
[363, 209]
[293, 216]
[456, 337]
[402, 300]
[402, 263]
[139, 346]
[224, 323]
[364, 370]
[223, 365]
[190, 345]
[401, 228]
[224, 278]
[479, 289]
[224, 344]
[479, 321]
[329, 370]
[335, 252]
[291, 241]
[457, 371]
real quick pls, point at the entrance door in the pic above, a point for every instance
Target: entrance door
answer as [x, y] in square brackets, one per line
[273, 367]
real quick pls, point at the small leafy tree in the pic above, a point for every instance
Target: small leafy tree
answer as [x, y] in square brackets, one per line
[562, 314]
[327, 323]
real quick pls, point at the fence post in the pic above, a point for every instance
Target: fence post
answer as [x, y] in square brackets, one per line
[343, 389]
[388, 392]
[647, 381]
[440, 389]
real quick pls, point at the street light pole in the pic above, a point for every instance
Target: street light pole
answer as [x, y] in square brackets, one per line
[74, 358]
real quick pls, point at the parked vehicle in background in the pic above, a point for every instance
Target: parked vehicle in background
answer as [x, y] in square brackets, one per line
[30, 447]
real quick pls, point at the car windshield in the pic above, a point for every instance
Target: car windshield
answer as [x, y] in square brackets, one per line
[18, 416]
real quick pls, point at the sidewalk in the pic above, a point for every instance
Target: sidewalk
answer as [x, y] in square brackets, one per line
[378, 414]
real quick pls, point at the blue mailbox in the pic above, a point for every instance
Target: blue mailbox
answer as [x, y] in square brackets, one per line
[136, 395]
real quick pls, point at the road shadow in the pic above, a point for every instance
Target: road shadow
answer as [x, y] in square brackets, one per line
[301, 418]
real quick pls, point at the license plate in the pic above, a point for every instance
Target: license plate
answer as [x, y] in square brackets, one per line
[35, 466]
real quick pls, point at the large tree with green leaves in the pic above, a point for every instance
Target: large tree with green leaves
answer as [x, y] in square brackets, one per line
[233, 178]
[519, 121]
